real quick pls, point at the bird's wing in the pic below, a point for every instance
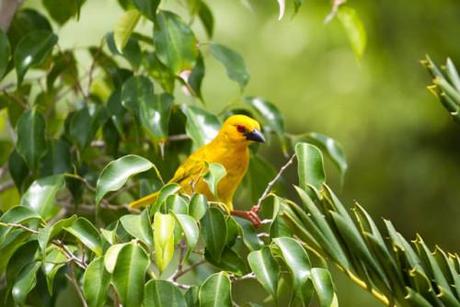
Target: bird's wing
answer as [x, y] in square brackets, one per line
[192, 168]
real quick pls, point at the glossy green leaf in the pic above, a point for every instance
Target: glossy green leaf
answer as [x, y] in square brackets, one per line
[15, 239]
[214, 230]
[111, 256]
[86, 233]
[266, 269]
[16, 215]
[161, 293]
[117, 172]
[191, 296]
[249, 234]
[129, 274]
[216, 291]
[190, 230]
[32, 50]
[24, 22]
[165, 192]
[41, 194]
[195, 79]
[177, 204]
[198, 206]
[202, 126]
[175, 44]
[25, 282]
[148, 8]
[48, 232]
[354, 28]
[230, 261]
[124, 27]
[233, 63]
[54, 261]
[163, 232]
[5, 53]
[138, 226]
[136, 90]
[31, 143]
[324, 287]
[310, 166]
[96, 281]
[298, 262]
[206, 18]
[216, 172]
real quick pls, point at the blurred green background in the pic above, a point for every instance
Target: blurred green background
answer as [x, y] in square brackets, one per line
[403, 149]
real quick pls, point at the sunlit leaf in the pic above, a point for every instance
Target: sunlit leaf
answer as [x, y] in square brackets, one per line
[202, 126]
[310, 166]
[198, 206]
[163, 232]
[138, 226]
[48, 232]
[190, 230]
[96, 282]
[87, 234]
[124, 27]
[129, 273]
[32, 50]
[111, 256]
[216, 291]
[117, 172]
[354, 28]
[161, 293]
[266, 269]
[214, 175]
[233, 63]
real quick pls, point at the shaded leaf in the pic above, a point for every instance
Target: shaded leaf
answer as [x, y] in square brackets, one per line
[214, 230]
[63, 12]
[25, 283]
[161, 293]
[148, 8]
[249, 234]
[96, 282]
[230, 261]
[5, 53]
[233, 63]
[324, 287]
[163, 232]
[266, 269]
[216, 291]
[206, 18]
[84, 123]
[48, 232]
[190, 230]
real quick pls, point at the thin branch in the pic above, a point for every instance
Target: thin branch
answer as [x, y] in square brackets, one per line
[272, 183]
[178, 137]
[73, 279]
[82, 179]
[182, 286]
[188, 269]
[16, 225]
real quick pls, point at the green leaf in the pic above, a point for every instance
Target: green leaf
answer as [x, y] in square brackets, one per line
[214, 230]
[138, 226]
[124, 27]
[195, 79]
[62, 13]
[86, 233]
[216, 172]
[84, 123]
[155, 116]
[198, 206]
[32, 50]
[230, 261]
[206, 18]
[191, 296]
[148, 8]
[16, 215]
[270, 115]
[298, 262]
[202, 126]
[54, 261]
[111, 256]
[48, 232]
[249, 234]
[25, 283]
[266, 269]
[233, 63]
[324, 287]
[161, 293]
[175, 44]
[24, 22]
[5, 53]
[309, 166]
[165, 192]
[354, 28]
[96, 281]
[117, 172]
[129, 273]
[136, 90]
[41, 194]
[190, 230]
[163, 232]
[216, 291]
[31, 143]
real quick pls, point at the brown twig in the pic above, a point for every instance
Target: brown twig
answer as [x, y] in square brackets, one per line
[181, 273]
[73, 280]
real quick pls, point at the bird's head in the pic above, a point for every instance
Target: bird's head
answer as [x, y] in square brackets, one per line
[241, 128]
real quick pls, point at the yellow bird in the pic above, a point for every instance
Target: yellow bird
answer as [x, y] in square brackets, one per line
[230, 149]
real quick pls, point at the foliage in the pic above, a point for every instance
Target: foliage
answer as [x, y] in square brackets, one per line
[88, 142]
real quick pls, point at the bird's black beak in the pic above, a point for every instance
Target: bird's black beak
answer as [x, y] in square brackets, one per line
[255, 135]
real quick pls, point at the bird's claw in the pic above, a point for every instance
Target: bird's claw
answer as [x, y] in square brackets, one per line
[251, 215]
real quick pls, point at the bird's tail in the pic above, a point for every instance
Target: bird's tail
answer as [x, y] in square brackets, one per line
[144, 201]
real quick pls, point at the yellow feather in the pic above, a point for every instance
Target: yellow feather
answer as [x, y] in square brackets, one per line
[229, 148]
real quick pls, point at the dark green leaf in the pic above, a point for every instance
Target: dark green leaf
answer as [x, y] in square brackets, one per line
[202, 126]
[191, 296]
[175, 43]
[87, 234]
[309, 166]
[84, 123]
[230, 261]
[214, 231]
[24, 22]
[16, 215]
[216, 291]
[138, 226]
[165, 192]
[5, 53]
[41, 195]
[161, 293]
[163, 232]
[154, 116]
[249, 234]
[148, 8]
[31, 138]
[18, 170]
[54, 261]
[62, 12]
[32, 50]
[196, 77]
[266, 269]
[117, 172]
[233, 63]
[25, 283]
[96, 282]
[129, 273]
[206, 18]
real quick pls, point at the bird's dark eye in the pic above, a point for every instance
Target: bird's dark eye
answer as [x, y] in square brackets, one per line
[241, 129]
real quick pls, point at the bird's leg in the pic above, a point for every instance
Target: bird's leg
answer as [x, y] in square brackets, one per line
[251, 215]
